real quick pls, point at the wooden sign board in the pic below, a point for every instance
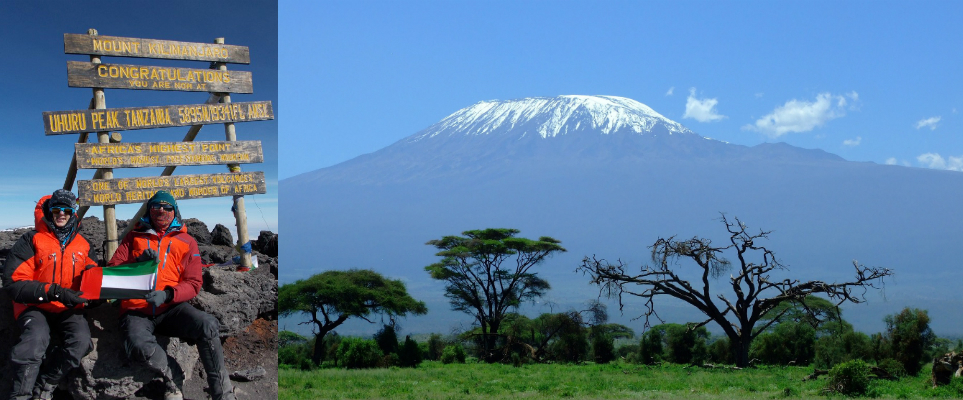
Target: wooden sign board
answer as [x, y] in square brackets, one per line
[138, 190]
[144, 77]
[122, 119]
[150, 48]
[163, 154]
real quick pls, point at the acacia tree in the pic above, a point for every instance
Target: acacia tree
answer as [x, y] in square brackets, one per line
[756, 294]
[331, 297]
[487, 272]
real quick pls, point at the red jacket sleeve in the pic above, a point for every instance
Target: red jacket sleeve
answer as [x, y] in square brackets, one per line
[191, 276]
[18, 273]
[122, 255]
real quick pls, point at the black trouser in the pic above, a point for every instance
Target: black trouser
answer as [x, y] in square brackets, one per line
[181, 321]
[28, 353]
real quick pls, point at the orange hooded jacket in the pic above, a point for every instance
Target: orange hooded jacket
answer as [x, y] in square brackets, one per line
[38, 259]
[178, 262]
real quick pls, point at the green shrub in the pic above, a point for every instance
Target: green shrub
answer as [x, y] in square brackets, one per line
[331, 341]
[295, 356]
[892, 367]
[358, 353]
[720, 352]
[650, 347]
[628, 350]
[850, 378]
[788, 342]
[409, 355]
[603, 348]
[838, 348]
[909, 335]
[684, 345]
[387, 339]
[453, 353]
[571, 344]
[434, 347]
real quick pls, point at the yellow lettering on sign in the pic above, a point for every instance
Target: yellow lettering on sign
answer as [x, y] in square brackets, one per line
[112, 120]
[106, 198]
[116, 46]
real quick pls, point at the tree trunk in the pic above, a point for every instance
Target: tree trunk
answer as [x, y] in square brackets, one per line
[490, 342]
[318, 355]
[740, 351]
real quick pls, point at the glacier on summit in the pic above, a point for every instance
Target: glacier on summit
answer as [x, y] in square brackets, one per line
[552, 116]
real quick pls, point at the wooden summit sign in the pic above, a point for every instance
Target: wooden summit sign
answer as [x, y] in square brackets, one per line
[162, 154]
[122, 119]
[151, 48]
[123, 76]
[138, 190]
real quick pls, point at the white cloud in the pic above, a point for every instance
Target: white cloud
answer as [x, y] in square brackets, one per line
[852, 142]
[759, 95]
[931, 123]
[891, 161]
[802, 116]
[671, 90]
[855, 98]
[935, 161]
[701, 110]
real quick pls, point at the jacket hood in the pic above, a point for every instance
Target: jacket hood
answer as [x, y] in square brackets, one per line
[144, 223]
[43, 221]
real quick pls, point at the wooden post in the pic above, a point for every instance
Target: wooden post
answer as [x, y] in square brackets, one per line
[110, 217]
[240, 214]
[168, 171]
[72, 171]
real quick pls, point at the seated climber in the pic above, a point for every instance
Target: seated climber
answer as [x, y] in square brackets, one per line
[161, 236]
[42, 276]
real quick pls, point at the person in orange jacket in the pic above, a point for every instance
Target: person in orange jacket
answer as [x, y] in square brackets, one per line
[42, 276]
[161, 236]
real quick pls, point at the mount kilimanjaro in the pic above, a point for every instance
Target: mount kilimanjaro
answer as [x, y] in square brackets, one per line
[608, 176]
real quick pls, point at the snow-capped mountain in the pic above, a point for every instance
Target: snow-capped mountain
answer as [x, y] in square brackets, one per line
[553, 116]
[607, 176]
[496, 137]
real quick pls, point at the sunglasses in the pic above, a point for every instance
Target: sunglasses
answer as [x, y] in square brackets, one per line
[65, 210]
[165, 207]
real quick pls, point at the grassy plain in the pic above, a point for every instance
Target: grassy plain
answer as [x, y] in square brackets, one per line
[433, 380]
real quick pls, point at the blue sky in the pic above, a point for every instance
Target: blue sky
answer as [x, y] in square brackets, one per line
[871, 81]
[35, 80]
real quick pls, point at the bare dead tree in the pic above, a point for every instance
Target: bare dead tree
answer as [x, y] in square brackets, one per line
[756, 293]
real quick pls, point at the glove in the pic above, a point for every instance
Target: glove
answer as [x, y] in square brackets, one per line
[158, 297]
[148, 254]
[68, 297]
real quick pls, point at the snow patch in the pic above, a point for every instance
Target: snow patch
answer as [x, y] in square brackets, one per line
[554, 116]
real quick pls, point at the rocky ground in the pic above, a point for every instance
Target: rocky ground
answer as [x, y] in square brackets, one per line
[245, 303]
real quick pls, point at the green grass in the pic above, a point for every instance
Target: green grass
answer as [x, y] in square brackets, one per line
[433, 380]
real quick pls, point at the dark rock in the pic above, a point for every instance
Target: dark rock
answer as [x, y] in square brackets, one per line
[199, 231]
[221, 236]
[217, 254]
[267, 243]
[237, 298]
[249, 375]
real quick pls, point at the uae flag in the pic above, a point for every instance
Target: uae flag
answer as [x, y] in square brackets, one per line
[128, 281]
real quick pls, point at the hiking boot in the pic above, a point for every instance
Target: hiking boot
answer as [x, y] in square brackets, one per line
[174, 394]
[171, 392]
[44, 392]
